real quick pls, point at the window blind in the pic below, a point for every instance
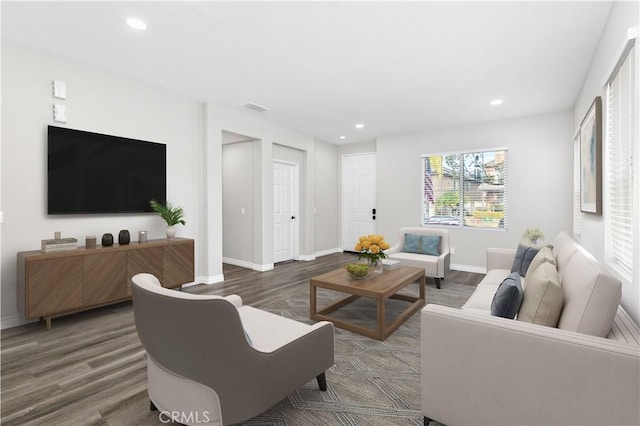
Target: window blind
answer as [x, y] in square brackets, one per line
[620, 149]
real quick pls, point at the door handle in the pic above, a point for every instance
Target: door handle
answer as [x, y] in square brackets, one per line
[374, 218]
[293, 217]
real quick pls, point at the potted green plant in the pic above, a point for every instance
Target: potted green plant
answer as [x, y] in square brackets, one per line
[533, 235]
[171, 215]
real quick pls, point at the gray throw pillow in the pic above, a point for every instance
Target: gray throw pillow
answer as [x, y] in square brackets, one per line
[524, 256]
[506, 301]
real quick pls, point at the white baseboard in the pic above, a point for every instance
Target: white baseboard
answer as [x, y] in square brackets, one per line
[249, 265]
[209, 280]
[307, 257]
[205, 280]
[468, 268]
[329, 251]
[13, 321]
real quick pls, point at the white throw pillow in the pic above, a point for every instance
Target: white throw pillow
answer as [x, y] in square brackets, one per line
[543, 297]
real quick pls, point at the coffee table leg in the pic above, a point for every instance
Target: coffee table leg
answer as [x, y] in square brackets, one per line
[312, 300]
[381, 318]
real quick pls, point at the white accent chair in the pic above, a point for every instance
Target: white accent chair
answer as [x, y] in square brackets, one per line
[434, 266]
[217, 362]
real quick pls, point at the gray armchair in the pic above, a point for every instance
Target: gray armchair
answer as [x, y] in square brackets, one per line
[215, 361]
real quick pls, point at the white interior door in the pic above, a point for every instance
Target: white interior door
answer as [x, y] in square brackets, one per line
[358, 198]
[285, 211]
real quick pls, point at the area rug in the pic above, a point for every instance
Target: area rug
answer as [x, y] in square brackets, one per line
[372, 382]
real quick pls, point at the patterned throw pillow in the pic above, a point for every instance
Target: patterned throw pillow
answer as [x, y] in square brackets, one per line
[422, 244]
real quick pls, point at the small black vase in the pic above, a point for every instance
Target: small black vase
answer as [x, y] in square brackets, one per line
[107, 240]
[124, 237]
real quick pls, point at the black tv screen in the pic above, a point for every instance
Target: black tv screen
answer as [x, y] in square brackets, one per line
[95, 173]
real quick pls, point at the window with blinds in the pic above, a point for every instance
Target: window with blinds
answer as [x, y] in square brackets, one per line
[621, 116]
[465, 189]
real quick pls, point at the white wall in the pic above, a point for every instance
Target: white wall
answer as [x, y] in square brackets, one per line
[540, 154]
[267, 134]
[327, 208]
[99, 103]
[623, 15]
[238, 179]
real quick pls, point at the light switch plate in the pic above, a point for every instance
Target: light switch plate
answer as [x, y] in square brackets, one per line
[59, 89]
[59, 113]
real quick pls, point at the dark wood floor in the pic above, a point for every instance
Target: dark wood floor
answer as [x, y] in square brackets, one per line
[90, 368]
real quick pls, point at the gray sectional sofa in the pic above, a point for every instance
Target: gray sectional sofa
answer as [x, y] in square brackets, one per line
[482, 369]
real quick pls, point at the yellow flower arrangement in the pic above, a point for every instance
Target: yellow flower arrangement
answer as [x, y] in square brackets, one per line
[371, 247]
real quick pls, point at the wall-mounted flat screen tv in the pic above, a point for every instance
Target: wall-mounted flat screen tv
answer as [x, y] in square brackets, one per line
[95, 173]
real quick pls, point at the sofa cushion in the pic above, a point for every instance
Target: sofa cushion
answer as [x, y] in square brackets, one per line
[564, 247]
[524, 256]
[506, 301]
[481, 298]
[544, 255]
[425, 261]
[422, 244]
[543, 297]
[592, 295]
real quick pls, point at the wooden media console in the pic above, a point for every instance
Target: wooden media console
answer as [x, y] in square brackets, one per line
[56, 284]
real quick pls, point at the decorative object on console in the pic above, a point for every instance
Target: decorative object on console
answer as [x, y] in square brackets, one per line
[142, 237]
[591, 159]
[371, 247]
[171, 215]
[90, 242]
[124, 237]
[533, 235]
[58, 244]
[107, 240]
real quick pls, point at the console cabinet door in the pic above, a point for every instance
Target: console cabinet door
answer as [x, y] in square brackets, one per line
[53, 285]
[105, 277]
[178, 265]
[148, 260]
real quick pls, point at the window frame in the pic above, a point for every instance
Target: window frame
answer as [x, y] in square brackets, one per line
[462, 188]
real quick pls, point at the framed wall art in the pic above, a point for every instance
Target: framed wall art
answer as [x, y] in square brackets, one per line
[591, 159]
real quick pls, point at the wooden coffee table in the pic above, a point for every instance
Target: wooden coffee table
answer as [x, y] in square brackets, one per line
[379, 287]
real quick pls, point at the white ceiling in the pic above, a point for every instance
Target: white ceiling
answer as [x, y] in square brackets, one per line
[322, 67]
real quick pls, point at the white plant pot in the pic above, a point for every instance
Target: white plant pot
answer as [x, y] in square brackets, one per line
[171, 232]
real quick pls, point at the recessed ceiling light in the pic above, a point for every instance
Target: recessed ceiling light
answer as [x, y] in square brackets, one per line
[359, 126]
[136, 24]
[343, 137]
[495, 102]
